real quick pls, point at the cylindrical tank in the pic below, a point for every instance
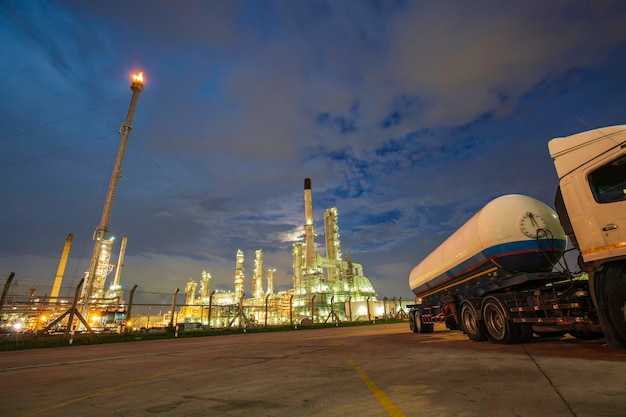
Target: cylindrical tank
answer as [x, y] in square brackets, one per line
[513, 233]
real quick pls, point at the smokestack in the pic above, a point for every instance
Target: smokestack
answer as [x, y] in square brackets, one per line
[309, 254]
[61, 270]
[120, 264]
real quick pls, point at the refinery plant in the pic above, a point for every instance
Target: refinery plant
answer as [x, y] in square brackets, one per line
[325, 289]
[330, 288]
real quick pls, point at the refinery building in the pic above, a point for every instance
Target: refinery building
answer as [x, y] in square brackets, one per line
[329, 288]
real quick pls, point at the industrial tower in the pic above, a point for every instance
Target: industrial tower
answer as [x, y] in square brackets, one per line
[95, 277]
[61, 270]
[257, 279]
[239, 277]
[320, 282]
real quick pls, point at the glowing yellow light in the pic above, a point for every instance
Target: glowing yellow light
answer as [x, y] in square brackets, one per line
[138, 78]
[129, 323]
[43, 318]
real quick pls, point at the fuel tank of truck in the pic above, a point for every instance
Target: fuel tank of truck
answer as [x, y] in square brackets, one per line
[511, 234]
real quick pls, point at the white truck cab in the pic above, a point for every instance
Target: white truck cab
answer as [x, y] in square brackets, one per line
[591, 204]
[592, 178]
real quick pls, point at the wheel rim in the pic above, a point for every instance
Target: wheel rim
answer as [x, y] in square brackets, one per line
[469, 321]
[495, 321]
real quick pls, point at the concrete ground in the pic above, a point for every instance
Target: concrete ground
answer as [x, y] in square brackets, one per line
[376, 370]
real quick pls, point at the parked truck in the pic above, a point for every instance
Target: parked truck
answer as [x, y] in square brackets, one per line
[502, 275]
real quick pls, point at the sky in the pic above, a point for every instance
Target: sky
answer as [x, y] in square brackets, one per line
[408, 116]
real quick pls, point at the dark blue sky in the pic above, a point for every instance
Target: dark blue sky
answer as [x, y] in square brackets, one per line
[408, 116]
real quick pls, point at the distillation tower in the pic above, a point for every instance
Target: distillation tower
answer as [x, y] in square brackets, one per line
[239, 277]
[320, 295]
[257, 279]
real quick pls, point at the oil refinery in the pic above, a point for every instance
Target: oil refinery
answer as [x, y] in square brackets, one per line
[330, 288]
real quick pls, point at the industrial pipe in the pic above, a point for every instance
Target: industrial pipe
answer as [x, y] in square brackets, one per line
[173, 307]
[266, 299]
[130, 308]
[210, 305]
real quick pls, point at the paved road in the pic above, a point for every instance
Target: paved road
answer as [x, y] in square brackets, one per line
[377, 370]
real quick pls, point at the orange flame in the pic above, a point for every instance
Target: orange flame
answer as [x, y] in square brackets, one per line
[138, 78]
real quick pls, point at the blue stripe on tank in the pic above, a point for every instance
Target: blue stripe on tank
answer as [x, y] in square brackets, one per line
[491, 255]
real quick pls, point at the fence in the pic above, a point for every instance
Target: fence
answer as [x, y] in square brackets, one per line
[29, 313]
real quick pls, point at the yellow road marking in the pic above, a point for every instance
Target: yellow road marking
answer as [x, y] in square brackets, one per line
[382, 398]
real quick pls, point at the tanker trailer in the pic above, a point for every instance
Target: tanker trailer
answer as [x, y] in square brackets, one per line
[493, 278]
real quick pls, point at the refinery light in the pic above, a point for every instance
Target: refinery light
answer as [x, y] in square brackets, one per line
[138, 78]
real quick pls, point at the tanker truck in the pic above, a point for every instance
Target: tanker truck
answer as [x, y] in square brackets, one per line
[502, 276]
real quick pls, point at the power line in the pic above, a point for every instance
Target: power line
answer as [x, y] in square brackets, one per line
[202, 191]
[62, 119]
[11, 202]
[55, 152]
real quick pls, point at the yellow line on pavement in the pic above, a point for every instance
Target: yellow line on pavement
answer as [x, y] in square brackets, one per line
[382, 398]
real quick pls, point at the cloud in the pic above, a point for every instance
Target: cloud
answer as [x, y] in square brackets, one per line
[408, 117]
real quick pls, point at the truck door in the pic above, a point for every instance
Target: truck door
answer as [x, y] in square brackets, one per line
[607, 181]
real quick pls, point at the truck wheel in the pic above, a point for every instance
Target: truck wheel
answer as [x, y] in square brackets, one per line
[609, 296]
[419, 326]
[617, 309]
[412, 318]
[473, 328]
[499, 327]
[526, 332]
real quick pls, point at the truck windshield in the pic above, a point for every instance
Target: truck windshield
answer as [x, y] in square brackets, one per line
[608, 182]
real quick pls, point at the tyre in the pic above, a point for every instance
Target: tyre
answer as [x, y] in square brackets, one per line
[417, 322]
[472, 327]
[608, 291]
[617, 310]
[419, 326]
[526, 332]
[412, 325]
[499, 328]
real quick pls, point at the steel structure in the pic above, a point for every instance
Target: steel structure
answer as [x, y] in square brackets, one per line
[94, 280]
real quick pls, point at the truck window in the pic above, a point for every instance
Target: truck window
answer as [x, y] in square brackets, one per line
[608, 183]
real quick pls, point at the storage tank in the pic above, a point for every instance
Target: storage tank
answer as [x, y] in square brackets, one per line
[511, 234]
